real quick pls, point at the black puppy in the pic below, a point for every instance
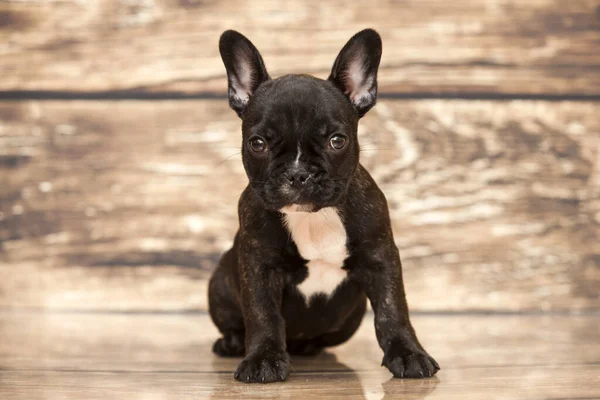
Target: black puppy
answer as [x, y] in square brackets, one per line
[315, 238]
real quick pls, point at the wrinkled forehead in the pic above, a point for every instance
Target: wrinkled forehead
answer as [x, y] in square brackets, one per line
[299, 109]
[295, 125]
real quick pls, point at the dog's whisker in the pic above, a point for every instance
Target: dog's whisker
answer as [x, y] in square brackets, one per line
[228, 158]
[377, 149]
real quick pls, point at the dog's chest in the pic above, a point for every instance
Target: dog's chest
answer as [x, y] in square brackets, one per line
[321, 240]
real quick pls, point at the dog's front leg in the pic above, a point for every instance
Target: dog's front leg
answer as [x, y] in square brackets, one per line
[261, 289]
[380, 275]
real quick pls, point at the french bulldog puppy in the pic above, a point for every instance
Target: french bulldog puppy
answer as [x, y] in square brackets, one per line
[315, 239]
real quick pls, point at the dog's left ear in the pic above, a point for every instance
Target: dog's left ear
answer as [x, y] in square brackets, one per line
[355, 69]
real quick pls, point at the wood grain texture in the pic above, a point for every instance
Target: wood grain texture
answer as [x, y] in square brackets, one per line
[430, 46]
[128, 205]
[104, 356]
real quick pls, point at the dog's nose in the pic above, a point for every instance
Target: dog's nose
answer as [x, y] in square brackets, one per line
[298, 178]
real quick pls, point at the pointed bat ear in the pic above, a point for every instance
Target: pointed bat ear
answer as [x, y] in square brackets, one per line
[355, 69]
[245, 68]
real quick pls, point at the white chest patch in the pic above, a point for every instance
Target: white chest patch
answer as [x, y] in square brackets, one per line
[321, 240]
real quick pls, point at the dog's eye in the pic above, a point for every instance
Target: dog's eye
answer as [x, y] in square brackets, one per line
[337, 142]
[258, 145]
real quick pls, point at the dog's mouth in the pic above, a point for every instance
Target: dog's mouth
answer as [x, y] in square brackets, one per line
[297, 200]
[309, 199]
[295, 208]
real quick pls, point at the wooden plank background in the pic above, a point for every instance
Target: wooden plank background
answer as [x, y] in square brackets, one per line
[127, 204]
[494, 47]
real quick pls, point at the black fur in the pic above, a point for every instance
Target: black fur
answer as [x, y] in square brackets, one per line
[252, 294]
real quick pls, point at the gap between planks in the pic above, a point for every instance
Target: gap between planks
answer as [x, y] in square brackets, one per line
[26, 95]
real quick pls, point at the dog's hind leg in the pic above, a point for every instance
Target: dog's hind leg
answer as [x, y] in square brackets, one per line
[312, 347]
[225, 309]
[303, 347]
[348, 329]
[230, 345]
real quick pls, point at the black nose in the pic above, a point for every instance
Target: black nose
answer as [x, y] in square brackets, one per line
[298, 178]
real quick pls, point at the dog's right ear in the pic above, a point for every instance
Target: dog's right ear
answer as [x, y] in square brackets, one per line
[245, 68]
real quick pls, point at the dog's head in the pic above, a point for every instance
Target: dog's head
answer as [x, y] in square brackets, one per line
[300, 147]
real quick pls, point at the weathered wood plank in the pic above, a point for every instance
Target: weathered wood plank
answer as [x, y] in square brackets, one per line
[57, 356]
[430, 46]
[128, 205]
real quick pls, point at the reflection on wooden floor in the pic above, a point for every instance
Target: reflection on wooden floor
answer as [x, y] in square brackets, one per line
[163, 356]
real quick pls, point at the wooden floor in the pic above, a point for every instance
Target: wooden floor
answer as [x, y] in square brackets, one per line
[164, 356]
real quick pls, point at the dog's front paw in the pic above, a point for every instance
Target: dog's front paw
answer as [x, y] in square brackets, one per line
[263, 368]
[410, 364]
